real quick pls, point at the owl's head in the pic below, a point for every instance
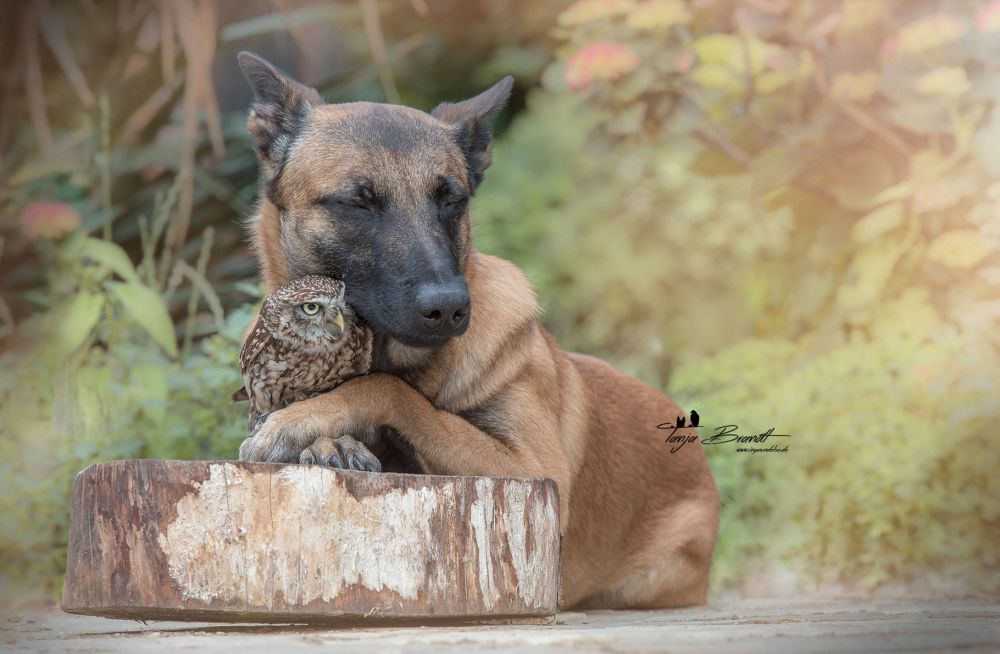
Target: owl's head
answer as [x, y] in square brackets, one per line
[308, 313]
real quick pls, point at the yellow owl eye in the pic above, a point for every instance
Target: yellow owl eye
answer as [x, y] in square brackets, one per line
[311, 308]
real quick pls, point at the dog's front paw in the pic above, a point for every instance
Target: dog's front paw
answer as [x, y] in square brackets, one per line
[281, 436]
[344, 452]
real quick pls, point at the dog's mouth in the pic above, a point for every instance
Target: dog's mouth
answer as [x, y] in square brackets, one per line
[397, 318]
[422, 342]
[385, 326]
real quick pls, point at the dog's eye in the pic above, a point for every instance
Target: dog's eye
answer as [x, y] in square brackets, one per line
[454, 201]
[362, 200]
[365, 199]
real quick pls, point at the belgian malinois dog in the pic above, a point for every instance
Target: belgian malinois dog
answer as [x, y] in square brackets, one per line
[378, 196]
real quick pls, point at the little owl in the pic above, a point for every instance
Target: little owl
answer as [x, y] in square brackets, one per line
[305, 342]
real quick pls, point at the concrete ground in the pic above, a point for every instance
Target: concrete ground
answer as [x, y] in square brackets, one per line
[752, 626]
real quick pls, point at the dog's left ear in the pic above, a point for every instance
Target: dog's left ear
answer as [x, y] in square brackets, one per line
[473, 121]
[278, 111]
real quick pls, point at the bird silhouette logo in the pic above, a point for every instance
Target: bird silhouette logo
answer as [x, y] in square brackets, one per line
[682, 421]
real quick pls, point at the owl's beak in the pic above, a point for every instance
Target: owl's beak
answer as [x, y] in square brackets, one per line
[339, 322]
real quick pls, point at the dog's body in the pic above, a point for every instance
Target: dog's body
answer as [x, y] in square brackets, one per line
[489, 393]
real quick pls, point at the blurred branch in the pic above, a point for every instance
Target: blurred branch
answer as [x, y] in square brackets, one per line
[858, 115]
[168, 53]
[147, 111]
[196, 26]
[105, 163]
[53, 35]
[376, 41]
[285, 20]
[294, 27]
[33, 81]
[6, 317]
[195, 275]
[710, 135]
[420, 7]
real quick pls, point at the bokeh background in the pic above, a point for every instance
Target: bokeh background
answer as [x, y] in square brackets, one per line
[784, 213]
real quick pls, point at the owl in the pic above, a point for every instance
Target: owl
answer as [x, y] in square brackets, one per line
[306, 341]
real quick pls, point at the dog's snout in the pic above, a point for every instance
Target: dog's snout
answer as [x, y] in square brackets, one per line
[444, 307]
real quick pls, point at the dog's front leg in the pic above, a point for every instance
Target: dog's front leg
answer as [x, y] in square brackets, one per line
[446, 443]
[280, 437]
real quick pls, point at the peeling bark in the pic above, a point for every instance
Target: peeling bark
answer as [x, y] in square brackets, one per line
[262, 542]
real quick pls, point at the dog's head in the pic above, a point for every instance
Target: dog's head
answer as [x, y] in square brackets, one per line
[376, 195]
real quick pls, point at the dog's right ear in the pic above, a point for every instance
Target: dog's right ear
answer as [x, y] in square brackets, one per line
[473, 121]
[278, 111]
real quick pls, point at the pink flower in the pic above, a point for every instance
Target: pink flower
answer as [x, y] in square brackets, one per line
[49, 220]
[987, 19]
[890, 47]
[605, 60]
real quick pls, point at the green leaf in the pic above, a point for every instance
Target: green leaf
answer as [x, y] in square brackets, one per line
[78, 319]
[149, 381]
[959, 248]
[944, 82]
[878, 222]
[146, 308]
[869, 273]
[111, 255]
[985, 143]
[717, 48]
[857, 177]
[628, 121]
[639, 82]
[282, 21]
[922, 117]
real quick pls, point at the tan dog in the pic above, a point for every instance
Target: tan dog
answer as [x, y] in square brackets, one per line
[377, 195]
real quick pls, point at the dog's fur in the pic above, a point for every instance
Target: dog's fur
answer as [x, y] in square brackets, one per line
[376, 194]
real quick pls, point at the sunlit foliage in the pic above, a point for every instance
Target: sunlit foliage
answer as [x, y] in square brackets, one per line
[787, 214]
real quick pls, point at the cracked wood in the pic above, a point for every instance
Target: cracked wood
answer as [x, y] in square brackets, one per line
[288, 543]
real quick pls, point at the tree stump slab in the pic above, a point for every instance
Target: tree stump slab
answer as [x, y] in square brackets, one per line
[258, 542]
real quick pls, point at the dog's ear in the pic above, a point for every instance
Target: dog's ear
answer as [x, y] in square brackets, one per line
[278, 111]
[473, 121]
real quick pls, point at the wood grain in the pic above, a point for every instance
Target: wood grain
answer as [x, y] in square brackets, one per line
[257, 542]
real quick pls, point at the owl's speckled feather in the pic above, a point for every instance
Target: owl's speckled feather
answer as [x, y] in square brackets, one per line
[291, 354]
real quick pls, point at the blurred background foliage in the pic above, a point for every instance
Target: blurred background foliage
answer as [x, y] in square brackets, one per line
[785, 213]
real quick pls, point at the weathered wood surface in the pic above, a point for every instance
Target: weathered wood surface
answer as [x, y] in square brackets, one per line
[256, 542]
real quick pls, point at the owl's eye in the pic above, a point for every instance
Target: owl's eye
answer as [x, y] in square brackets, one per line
[310, 308]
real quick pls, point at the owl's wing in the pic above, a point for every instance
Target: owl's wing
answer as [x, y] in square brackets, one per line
[362, 346]
[253, 346]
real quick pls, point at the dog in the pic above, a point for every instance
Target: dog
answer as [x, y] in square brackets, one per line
[378, 195]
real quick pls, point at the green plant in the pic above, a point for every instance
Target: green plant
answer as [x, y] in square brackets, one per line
[125, 170]
[97, 374]
[785, 215]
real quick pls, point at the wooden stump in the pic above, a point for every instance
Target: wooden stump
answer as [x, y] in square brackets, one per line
[257, 542]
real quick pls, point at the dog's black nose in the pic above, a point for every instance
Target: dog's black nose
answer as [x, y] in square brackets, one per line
[444, 307]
